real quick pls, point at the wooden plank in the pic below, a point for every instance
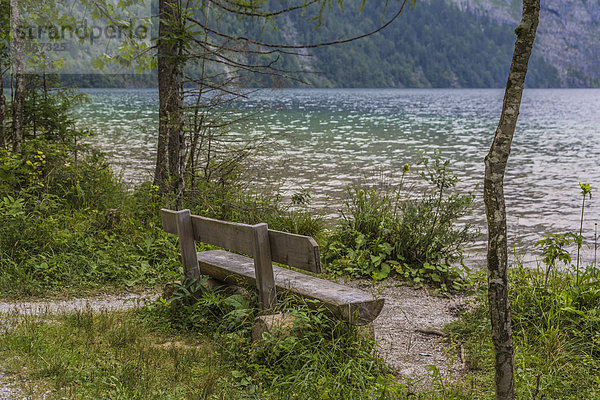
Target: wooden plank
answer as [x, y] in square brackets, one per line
[169, 220]
[354, 305]
[295, 250]
[185, 232]
[263, 267]
[229, 235]
[286, 248]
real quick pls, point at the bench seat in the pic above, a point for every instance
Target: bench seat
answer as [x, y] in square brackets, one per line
[353, 305]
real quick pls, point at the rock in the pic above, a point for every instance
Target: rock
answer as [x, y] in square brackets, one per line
[276, 324]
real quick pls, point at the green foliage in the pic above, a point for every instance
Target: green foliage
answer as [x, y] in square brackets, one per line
[46, 110]
[317, 357]
[555, 333]
[109, 356]
[586, 190]
[229, 196]
[554, 249]
[195, 306]
[92, 236]
[415, 237]
[68, 224]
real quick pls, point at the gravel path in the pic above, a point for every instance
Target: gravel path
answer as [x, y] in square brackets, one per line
[105, 302]
[409, 331]
[7, 389]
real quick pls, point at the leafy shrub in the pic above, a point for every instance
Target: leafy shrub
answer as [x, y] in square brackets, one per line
[69, 224]
[44, 168]
[555, 323]
[195, 306]
[397, 232]
[320, 357]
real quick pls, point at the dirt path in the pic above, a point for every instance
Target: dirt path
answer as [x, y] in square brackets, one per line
[409, 332]
[96, 303]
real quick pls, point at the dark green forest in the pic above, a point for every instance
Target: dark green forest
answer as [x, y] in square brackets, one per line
[433, 44]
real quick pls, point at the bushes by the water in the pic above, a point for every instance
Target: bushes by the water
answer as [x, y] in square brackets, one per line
[68, 221]
[232, 198]
[400, 233]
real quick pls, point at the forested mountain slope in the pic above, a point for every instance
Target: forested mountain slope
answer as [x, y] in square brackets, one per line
[436, 43]
[446, 43]
[568, 35]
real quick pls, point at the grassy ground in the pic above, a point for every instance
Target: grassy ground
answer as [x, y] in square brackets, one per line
[144, 355]
[555, 334]
[111, 355]
[201, 348]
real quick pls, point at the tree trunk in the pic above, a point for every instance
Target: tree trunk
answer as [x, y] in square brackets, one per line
[495, 166]
[19, 63]
[2, 108]
[167, 170]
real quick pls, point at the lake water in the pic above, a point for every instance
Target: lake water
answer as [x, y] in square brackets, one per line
[326, 139]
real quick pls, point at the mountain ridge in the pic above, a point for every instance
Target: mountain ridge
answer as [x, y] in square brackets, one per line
[568, 35]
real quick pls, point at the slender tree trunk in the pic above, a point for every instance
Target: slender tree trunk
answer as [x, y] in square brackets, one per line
[166, 173]
[495, 166]
[2, 108]
[3, 55]
[18, 99]
[3, 62]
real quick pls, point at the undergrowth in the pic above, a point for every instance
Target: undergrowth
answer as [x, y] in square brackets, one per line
[405, 233]
[556, 327]
[69, 225]
[318, 356]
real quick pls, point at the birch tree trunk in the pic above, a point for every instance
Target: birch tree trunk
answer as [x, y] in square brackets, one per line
[495, 166]
[2, 107]
[19, 65]
[166, 172]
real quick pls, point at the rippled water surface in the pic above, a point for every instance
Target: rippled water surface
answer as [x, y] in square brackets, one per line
[330, 138]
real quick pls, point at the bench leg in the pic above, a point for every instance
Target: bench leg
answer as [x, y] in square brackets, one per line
[185, 231]
[263, 266]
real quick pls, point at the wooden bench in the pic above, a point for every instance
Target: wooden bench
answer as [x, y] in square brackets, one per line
[265, 246]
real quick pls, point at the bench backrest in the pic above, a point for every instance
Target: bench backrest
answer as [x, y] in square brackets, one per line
[286, 248]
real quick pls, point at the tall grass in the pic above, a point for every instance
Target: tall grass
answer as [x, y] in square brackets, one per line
[317, 357]
[555, 333]
[110, 355]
